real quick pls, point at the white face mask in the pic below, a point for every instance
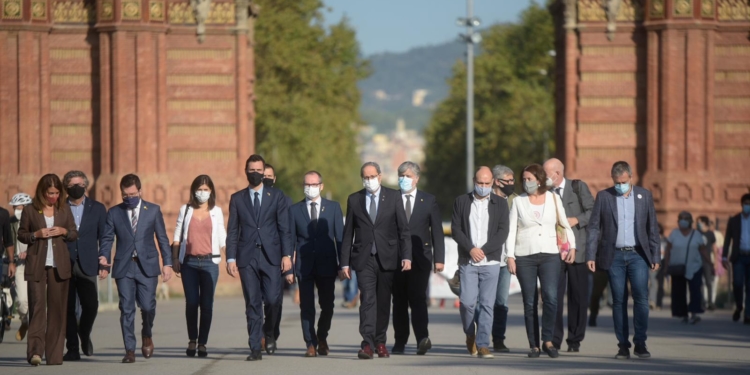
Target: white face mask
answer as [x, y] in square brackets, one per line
[18, 214]
[202, 196]
[371, 185]
[312, 192]
[549, 181]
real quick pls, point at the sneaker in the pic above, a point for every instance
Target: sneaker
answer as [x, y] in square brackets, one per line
[485, 353]
[641, 351]
[499, 347]
[471, 345]
[623, 353]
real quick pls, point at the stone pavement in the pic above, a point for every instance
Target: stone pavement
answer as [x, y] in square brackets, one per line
[714, 346]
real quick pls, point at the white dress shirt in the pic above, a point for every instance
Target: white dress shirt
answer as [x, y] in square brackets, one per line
[413, 195]
[317, 201]
[479, 223]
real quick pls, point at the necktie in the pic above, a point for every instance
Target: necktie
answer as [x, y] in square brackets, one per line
[408, 208]
[256, 207]
[134, 225]
[373, 216]
[313, 215]
[559, 192]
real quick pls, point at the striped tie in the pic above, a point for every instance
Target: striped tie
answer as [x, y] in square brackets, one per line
[134, 225]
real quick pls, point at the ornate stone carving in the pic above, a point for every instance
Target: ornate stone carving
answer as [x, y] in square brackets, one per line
[39, 10]
[657, 9]
[569, 12]
[108, 10]
[74, 12]
[12, 9]
[733, 10]
[156, 10]
[683, 8]
[612, 7]
[606, 10]
[131, 10]
[180, 13]
[708, 9]
[201, 9]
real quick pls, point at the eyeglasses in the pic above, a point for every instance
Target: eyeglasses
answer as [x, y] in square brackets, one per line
[507, 182]
[81, 185]
[312, 185]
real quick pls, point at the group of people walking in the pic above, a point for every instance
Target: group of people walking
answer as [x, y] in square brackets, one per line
[554, 233]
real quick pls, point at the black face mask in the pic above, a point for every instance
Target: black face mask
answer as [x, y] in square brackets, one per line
[268, 182]
[507, 190]
[254, 178]
[76, 191]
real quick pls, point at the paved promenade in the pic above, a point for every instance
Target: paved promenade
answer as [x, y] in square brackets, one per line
[714, 346]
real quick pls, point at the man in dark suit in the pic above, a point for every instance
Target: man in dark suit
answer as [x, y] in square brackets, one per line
[376, 239]
[135, 223]
[426, 228]
[317, 229]
[623, 238]
[90, 217]
[578, 203]
[738, 239]
[259, 250]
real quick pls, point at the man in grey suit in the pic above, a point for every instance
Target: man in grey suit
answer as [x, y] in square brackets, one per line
[574, 277]
[623, 238]
[135, 223]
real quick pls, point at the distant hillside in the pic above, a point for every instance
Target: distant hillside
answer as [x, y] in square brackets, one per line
[400, 78]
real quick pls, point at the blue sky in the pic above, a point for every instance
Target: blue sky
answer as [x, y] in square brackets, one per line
[399, 25]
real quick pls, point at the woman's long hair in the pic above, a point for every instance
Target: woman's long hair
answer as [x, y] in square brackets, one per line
[40, 197]
[202, 180]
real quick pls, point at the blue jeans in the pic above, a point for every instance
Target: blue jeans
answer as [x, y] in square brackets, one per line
[478, 290]
[350, 287]
[629, 265]
[741, 287]
[199, 278]
[500, 319]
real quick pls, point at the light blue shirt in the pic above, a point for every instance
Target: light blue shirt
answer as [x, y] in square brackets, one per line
[77, 211]
[745, 233]
[252, 196]
[626, 221]
[377, 200]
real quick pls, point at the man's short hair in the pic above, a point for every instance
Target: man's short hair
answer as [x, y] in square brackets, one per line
[621, 167]
[129, 180]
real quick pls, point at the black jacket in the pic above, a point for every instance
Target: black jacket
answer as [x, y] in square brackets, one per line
[426, 230]
[497, 231]
[90, 232]
[732, 238]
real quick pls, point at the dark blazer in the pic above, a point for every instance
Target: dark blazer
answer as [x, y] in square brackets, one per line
[426, 228]
[497, 229]
[390, 232]
[732, 237]
[90, 232]
[150, 225]
[603, 227]
[317, 247]
[36, 254]
[573, 204]
[272, 232]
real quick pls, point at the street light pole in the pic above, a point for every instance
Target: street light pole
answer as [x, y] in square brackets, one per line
[470, 38]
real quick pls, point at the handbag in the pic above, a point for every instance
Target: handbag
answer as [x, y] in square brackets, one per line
[679, 269]
[176, 248]
[562, 235]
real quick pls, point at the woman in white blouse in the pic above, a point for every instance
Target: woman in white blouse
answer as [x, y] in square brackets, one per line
[201, 236]
[533, 253]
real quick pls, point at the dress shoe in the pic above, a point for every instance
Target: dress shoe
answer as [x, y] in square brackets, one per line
[270, 345]
[323, 347]
[311, 352]
[471, 345]
[35, 360]
[21, 334]
[551, 351]
[592, 321]
[499, 347]
[72, 356]
[129, 357]
[623, 353]
[574, 348]
[148, 347]
[365, 352]
[398, 349]
[424, 345]
[641, 351]
[485, 353]
[190, 351]
[736, 315]
[533, 353]
[747, 320]
[87, 347]
[202, 353]
[255, 355]
[383, 351]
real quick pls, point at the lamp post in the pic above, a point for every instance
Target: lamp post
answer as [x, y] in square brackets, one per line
[470, 38]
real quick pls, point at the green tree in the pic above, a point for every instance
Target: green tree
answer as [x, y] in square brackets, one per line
[513, 106]
[308, 101]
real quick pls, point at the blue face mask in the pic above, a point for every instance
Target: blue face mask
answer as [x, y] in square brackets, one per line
[746, 209]
[131, 202]
[622, 188]
[684, 224]
[405, 183]
[482, 191]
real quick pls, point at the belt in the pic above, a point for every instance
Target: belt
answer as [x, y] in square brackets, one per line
[205, 257]
[626, 248]
[135, 259]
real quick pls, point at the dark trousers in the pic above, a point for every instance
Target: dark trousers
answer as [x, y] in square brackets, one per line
[601, 279]
[272, 314]
[375, 286]
[680, 287]
[326, 294]
[575, 278]
[136, 287]
[741, 282]
[261, 281]
[199, 278]
[47, 317]
[410, 292]
[545, 267]
[83, 286]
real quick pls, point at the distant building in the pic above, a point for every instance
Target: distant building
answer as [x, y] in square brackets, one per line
[390, 150]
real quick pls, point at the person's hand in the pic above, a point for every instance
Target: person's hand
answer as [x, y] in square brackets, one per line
[103, 262]
[655, 266]
[345, 274]
[290, 279]
[571, 256]
[405, 265]
[58, 231]
[477, 254]
[572, 221]
[286, 264]
[232, 268]
[725, 263]
[22, 256]
[439, 267]
[511, 265]
[166, 273]
[103, 274]
[592, 265]
[11, 270]
[41, 233]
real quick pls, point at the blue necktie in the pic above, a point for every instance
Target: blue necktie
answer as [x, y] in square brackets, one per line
[256, 206]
